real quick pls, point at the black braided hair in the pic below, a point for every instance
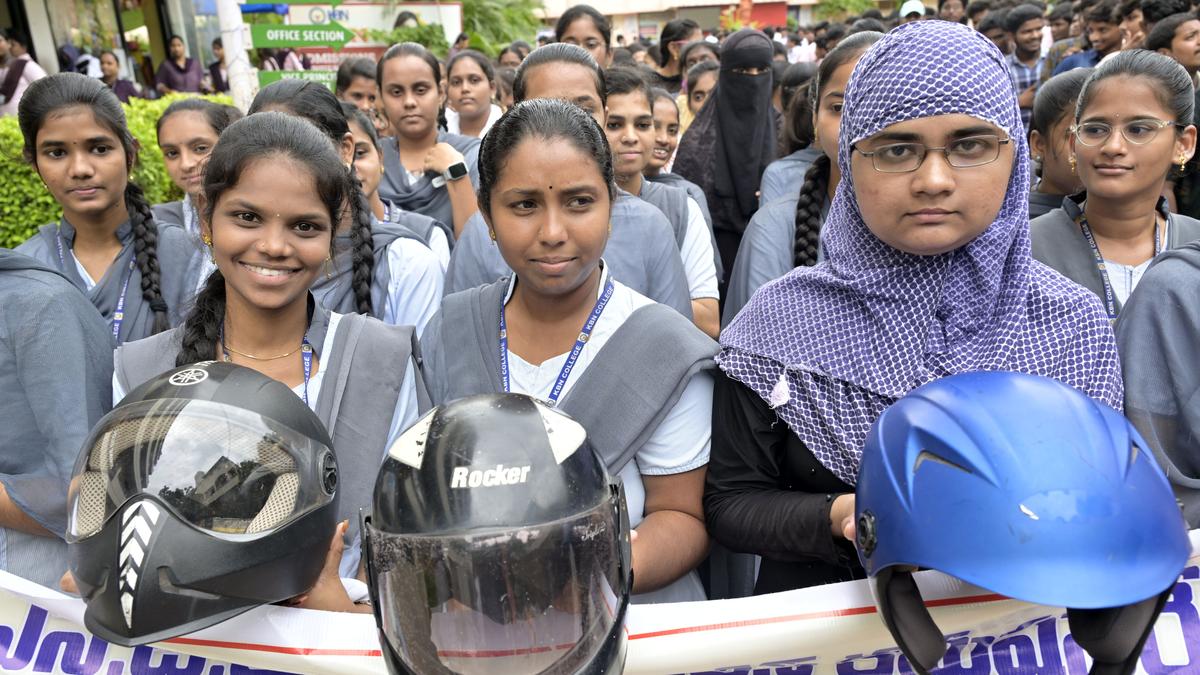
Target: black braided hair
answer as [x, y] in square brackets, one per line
[315, 103]
[202, 330]
[808, 213]
[266, 134]
[362, 247]
[816, 180]
[65, 90]
[145, 249]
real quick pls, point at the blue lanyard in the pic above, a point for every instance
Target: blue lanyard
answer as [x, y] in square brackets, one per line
[1110, 298]
[118, 314]
[306, 357]
[572, 358]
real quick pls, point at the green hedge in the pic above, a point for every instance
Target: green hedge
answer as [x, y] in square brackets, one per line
[26, 205]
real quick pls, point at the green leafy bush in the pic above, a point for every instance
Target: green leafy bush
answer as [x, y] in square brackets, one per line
[428, 34]
[25, 204]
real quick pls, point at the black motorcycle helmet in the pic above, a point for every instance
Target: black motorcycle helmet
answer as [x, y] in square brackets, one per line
[498, 544]
[210, 490]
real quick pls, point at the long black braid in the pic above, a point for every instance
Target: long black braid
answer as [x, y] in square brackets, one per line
[808, 213]
[145, 249]
[362, 246]
[202, 330]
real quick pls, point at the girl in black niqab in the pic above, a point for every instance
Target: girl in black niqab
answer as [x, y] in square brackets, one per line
[732, 140]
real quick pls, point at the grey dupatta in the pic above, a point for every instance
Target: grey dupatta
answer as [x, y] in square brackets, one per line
[676, 181]
[174, 260]
[641, 253]
[634, 381]
[182, 215]
[55, 383]
[1157, 340]
[421, 196]
[1059, 243]
[673, 202]
[785, 176]
[357, 399]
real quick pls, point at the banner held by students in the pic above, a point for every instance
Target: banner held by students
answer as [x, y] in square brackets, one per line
[828, 629]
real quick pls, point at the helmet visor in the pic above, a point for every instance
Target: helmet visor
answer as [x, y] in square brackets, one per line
[540, 599]
[223, 469]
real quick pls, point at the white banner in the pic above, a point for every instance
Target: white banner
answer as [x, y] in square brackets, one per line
[829, 629]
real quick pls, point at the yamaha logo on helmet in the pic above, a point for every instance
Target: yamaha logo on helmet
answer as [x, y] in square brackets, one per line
[464, 477]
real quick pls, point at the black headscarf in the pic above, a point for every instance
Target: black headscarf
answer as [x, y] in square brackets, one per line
[732, 139]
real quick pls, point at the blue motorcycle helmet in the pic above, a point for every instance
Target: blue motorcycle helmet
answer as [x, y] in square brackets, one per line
[1026, 487]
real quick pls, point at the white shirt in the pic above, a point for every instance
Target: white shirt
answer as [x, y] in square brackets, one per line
[699, 263]
[452, 120]
[32, 72]
[415, 284]
[681, 442]
[1124, 278]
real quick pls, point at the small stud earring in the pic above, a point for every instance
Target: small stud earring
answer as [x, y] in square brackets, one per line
[492, 234]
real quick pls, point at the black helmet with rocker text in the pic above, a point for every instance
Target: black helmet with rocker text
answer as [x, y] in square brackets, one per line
[498, 543]
[210, 490]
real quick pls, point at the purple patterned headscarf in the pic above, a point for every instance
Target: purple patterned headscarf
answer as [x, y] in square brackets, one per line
[830, 347]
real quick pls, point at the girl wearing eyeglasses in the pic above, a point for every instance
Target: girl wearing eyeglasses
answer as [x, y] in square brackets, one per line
[1132, 125]
[927, 272]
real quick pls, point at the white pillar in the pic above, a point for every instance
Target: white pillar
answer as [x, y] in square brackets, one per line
[242, 79]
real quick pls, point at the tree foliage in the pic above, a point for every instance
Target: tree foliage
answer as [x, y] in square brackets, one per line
[492, 24]
[834, 9]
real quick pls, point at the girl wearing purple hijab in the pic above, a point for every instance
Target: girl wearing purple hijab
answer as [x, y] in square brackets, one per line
[927, 273]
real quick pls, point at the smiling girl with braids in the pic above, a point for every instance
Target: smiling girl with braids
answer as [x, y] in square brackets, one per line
[927, 273]
[107, 242]
[275, 191]
[375, 269]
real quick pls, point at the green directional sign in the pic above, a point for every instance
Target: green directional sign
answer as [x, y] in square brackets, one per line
[331, 34]
[325, 77]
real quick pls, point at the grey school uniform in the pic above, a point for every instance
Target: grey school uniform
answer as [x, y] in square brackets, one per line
[784, 176]
[357, 398]
[1157, 340]
[335, 291]
[1040, 203]
[676, 181]
[628, 389]
[767, 253]
[1059, 243]
[182, 215]
[174, 256]
[673, 202]
[55, 383]
[641, 253]
[420, 195]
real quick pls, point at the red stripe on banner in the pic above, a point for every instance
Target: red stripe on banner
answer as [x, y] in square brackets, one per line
[831, 614]
[297, 651]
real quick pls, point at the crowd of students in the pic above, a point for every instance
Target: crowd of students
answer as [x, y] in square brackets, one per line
[583, 229]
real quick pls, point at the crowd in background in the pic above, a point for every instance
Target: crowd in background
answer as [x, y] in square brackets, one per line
[708, 169]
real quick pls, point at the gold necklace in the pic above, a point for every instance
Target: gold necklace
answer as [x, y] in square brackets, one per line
[227, 348]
